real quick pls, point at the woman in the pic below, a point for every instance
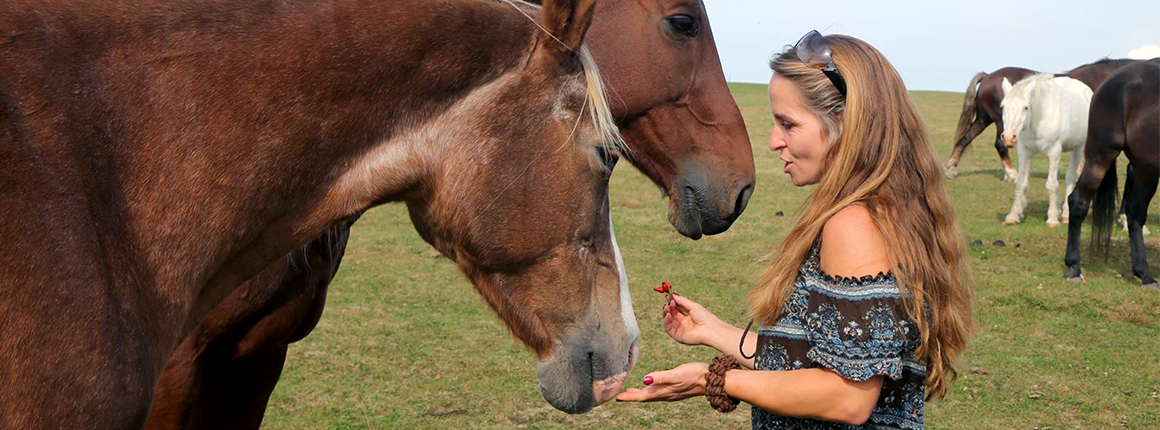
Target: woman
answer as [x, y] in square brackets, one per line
[866, 306]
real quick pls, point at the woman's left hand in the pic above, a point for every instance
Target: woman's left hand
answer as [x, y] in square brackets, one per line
[682, 382]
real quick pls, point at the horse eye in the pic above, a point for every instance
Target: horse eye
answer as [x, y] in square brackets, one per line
[1026, 107]
[682, 24]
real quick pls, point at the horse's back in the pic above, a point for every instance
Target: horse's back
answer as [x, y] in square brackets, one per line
[1124, 111]
[1136, 89]
[1075, 101]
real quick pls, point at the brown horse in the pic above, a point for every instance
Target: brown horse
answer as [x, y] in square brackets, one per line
[980, 109]
[682, 126]
[157, 155]
[1124, 117]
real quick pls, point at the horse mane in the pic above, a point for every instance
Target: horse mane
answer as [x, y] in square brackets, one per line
[599, 111]
[1038, 78]
[596, 100]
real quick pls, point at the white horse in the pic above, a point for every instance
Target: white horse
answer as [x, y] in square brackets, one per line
[1048, 115]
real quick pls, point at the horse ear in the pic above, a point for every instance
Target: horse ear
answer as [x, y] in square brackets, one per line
[1006, 86]
[567, 21]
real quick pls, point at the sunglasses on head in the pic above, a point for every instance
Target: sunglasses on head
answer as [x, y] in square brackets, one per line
[813, 50]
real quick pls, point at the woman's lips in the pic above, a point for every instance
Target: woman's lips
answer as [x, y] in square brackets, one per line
[786, 169]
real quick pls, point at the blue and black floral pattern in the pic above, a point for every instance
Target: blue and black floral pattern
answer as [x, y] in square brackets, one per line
[856, 327]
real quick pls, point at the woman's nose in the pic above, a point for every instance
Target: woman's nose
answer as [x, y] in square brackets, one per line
[776, 143]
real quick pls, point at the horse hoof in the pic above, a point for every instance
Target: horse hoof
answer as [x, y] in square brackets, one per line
[1010, 221]
[1076, 280]
[1066, 221]
[1153, 286]
[952, 175]
[1053, 224]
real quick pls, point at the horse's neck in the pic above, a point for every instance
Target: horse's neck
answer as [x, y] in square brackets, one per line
[240, 140]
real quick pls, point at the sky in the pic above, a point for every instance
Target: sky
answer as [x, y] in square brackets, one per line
[938, 45]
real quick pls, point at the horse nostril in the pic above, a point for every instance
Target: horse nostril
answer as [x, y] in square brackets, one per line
[742, 201]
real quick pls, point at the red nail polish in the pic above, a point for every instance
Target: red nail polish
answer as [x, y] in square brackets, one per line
[648, 380]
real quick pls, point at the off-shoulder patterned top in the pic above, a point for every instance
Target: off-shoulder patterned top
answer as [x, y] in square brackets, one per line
[856, 327]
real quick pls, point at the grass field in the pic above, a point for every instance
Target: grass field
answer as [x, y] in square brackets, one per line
[406, 343]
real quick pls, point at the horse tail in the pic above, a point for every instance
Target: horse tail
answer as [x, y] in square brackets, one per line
[1104, 212]
[968, 115]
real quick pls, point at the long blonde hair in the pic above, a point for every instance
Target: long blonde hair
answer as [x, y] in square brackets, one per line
[886, 163]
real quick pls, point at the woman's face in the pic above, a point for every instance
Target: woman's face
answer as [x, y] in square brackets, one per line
[798, 135]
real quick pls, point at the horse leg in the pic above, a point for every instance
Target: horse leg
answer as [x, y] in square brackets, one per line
[1016, 213]
[1075, 163]
[1137, 210]
[1079, 202]
[1053, 159]
[1129, 182]
[235, 396]
[191, 385]
[222, 376]
[977, 127]
[1009, 172]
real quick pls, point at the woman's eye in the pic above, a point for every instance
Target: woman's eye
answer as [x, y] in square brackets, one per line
[787, 125]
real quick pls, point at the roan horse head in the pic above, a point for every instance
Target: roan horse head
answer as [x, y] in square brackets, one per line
[519, 201]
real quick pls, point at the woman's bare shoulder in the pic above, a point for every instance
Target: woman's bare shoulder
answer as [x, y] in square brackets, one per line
[853, 245]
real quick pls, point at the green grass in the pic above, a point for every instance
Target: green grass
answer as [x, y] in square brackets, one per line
[406, 343]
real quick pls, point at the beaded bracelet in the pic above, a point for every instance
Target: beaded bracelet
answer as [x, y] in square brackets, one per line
[715, 383]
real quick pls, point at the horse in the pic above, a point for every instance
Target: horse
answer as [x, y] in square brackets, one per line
[159, 154]
[1045, 114]
[980, 109]
[1124, 117]
[684, 131]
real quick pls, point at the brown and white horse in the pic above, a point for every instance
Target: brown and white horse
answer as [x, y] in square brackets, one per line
[981, 109]
[684, 132]
[158, 154]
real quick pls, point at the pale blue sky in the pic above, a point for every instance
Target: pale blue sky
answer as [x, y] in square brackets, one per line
[938, 45]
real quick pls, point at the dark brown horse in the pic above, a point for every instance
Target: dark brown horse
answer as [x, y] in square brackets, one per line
[981, 109]
[159, 154]
[684, 132]
[1124, 117]
[1094, 74]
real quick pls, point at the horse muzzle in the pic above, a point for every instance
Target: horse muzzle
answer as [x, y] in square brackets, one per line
[701, 207]
[577, 379]
[1010, 139]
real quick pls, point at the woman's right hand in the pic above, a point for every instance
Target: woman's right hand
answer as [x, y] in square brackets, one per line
[694, 326]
